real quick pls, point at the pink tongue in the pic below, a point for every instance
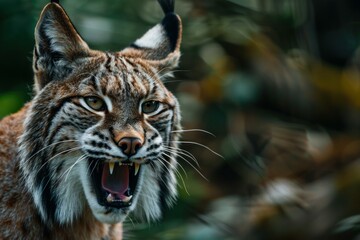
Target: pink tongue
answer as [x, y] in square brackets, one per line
[117, 182]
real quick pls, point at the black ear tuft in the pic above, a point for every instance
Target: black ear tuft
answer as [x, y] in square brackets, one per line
[171, 24]
[160, 45]
[167, 6]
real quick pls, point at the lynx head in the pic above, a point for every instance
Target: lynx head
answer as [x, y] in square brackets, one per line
[101, 132]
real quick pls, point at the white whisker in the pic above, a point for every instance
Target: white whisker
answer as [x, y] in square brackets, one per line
[182, 152]
[92, 170]
[176, 172]
[167, 155]
[201, 145]
[132, 222]
[193, 130]
[72, 166]
[58, 154]
[48, 146]
[197, 170]
[63, 152]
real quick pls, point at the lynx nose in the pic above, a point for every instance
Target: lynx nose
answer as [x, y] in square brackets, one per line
[130, 145]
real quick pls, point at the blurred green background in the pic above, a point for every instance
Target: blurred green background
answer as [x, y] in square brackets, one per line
[275, 82]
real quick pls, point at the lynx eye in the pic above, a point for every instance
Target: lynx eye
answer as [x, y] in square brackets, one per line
[150, 107]
[95, 103]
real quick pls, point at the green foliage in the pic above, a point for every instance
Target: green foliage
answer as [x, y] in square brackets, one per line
[11, 102]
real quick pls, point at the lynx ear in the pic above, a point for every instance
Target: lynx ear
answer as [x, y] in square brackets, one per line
[58, 46]
[161, 44]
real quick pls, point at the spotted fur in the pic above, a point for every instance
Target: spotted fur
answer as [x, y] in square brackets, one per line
[47, 148]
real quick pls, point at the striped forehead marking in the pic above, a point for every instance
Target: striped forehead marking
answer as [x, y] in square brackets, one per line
[120, 78]
[129, 78]
[110, 63]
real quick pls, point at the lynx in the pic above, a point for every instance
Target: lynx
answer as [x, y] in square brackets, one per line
[98, 141]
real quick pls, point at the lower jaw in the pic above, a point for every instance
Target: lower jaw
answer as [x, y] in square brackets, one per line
[112, 215]
[114, 204]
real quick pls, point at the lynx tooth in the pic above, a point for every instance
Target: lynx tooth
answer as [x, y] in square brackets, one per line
[137, 167]
[127, 199]
[110, 198]
[111, 167]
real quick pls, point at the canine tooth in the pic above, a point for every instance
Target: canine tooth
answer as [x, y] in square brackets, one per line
[111, 167]
[110, 198]
[137, 166]
[120, 163]
[127, 198]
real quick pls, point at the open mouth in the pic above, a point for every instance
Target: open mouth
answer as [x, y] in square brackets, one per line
[114, 181]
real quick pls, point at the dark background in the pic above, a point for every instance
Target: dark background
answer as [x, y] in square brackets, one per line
[277, 84]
